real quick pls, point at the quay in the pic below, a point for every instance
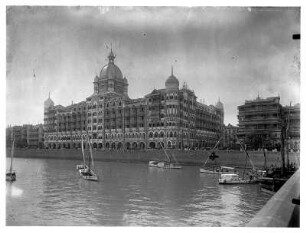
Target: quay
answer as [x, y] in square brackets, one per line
[283, 209]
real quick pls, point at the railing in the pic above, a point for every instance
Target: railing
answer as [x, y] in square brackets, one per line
[283, 209]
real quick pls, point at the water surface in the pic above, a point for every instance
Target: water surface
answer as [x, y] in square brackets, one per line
[51, 192]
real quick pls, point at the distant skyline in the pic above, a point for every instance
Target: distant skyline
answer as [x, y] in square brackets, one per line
[231, 53]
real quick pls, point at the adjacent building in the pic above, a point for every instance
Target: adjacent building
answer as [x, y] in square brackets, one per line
[230, 137]
[25, 136]
[292, 118]
[170, 117]
[261, 121]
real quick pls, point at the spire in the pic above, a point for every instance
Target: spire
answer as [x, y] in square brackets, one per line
[49, 94]
[171, 70]
[111, 56]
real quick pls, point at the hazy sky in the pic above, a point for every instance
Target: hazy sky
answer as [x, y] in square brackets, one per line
[227, 52]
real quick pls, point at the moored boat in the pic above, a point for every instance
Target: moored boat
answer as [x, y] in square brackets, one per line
[171, 163]
[88, 170]
[82, 166]
[11, 174]
[215, 169]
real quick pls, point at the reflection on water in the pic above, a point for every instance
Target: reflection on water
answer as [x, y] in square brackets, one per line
[50, 192]
[12, 190]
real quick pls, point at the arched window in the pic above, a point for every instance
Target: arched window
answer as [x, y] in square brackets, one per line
[152, 145]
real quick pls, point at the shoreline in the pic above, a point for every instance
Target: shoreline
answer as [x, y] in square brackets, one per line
[192, 158]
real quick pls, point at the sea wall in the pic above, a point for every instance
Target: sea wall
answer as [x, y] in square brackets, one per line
[231, 158]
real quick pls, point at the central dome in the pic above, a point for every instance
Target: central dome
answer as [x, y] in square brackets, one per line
[111, 71]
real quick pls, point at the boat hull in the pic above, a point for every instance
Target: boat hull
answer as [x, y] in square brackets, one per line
[88, 175]
[203, 170]
[153, 163]
[81, 166]
[167, 165]
[225, 182]
[91, 178]
[10, 177]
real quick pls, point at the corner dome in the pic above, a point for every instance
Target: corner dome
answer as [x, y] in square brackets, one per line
[96, 79]
[49, 102]
[219, 104]
[172, 82]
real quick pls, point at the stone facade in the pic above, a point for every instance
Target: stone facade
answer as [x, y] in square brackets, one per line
[169, 117]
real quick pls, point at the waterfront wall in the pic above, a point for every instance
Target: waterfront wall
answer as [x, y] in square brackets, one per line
[232, 158]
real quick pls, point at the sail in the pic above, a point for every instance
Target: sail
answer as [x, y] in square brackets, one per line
[12, 156]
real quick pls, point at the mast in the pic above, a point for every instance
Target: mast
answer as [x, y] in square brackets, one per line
[287, 135]
[90, 150]
[283, 131]
[83, 152]
[166, 153]
[12, 156]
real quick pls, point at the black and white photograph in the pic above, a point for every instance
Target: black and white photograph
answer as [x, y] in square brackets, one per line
[152, 116]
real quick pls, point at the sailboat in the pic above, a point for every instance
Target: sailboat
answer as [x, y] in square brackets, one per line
[79, 167]
[212, 156]
[88, 173]
[11, 174]
[234, 178]
[170, 164]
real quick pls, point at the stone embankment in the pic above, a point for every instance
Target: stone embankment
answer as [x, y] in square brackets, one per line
[229, 158]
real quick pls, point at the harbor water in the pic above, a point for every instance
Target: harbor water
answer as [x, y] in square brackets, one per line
[51, 192]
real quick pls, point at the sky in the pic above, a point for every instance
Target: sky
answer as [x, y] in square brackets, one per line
[231, 53]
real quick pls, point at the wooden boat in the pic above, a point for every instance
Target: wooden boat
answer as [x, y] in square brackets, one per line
[211, 170]
[228, 175]
[171, 163]
[11, 174]
[88, 172]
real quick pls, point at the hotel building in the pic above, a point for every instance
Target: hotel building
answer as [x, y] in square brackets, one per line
[170, 117]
